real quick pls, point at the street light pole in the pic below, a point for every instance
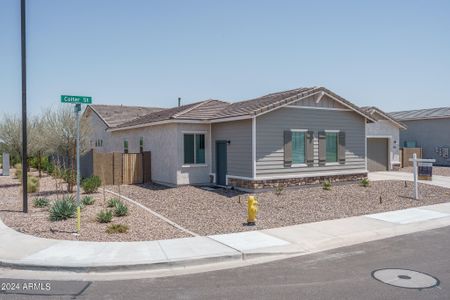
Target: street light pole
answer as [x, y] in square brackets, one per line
[24, 109]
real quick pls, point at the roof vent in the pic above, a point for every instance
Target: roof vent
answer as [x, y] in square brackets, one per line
[179, 101]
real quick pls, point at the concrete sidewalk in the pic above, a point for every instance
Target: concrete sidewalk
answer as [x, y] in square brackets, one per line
[27, 252]
[442, 181]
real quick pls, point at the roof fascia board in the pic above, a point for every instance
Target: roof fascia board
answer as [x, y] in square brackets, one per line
[99, 115]
[374, 109]
[229, 119]
[425, 118]
[352, 108]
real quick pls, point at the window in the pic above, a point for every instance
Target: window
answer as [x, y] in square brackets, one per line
[141, 144]
[194, 148]
[125, 146]
[332, 146]
[298, 147]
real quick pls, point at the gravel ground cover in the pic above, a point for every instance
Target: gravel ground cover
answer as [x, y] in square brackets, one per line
[215, 212]
[442, 171]
[142, 225]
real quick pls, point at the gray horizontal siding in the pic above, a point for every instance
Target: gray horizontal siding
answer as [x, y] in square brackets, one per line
[428, 134]
[269, 139]
[239, 151]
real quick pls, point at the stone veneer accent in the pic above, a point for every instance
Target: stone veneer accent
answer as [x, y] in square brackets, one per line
[285, 182]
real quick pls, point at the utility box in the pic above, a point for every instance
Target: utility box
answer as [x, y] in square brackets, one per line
[5, 165]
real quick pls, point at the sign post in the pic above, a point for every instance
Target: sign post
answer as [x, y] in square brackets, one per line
[77, 100]
[416, 161]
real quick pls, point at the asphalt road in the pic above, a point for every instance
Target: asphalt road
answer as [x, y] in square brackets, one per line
[344, 273]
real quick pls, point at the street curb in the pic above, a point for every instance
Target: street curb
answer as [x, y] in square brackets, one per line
[123, 267]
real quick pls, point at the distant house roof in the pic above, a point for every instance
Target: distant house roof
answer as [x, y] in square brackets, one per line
[373, 109]
[215, 110]
[114, 115]
[420, 114]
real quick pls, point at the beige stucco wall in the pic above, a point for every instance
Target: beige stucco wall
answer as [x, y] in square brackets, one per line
[161, 140]
[193, 174]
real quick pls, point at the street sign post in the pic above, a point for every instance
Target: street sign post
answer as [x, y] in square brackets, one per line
[77, 100]
[416, 162]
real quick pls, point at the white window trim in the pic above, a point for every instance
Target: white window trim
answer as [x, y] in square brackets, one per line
[334, 163]
[184, 165]
[194, 165]
[300, 165]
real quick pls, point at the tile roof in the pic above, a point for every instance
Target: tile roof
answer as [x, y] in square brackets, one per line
[420, 114]
[371, 109]
[114, 115]
[216, 109]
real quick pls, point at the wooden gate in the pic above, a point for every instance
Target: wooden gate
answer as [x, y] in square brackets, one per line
[147, 163]
[132, 168]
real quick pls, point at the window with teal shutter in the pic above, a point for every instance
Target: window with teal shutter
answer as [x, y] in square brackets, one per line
[298, 147]
[332, 146]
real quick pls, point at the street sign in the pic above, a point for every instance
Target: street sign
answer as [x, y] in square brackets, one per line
[76, 99]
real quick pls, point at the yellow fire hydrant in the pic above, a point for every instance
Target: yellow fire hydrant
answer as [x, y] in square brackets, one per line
[252, 210]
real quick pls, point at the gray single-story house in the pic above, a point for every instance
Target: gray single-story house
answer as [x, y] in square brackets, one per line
[428, 129]
[293, 137]
[383, 141]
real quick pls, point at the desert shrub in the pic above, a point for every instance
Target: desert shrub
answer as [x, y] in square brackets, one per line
[88, 200]
[112, 202]
[63, 209]
[18, 168]
[104, 216]
[32, 184]
[120, 209]
[279, 190]
[91, 184]
[70, 177]
[117, 228]
[365, 182]
[41, 202]
[326, 185]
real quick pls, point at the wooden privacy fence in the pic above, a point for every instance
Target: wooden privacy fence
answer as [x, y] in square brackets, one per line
[407, 153]
[117, 168]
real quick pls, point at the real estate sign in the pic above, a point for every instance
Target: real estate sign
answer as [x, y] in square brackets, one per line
[76, 99]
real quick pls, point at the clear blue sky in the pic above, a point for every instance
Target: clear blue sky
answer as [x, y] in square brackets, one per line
[392, 54]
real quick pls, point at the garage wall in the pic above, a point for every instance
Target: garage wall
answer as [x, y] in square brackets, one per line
[385, 128]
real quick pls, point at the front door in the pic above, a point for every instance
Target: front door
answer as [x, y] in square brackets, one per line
[221, 162]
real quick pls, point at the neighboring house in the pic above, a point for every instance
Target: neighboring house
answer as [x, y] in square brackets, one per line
[101, 117]
[428, 129]
[383, 141]
[294, 137]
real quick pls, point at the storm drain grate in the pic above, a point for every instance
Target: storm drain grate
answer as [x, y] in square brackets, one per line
[405, 278]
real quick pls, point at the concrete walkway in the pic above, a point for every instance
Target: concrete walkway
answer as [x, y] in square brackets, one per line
[24, 251]
[442, 181]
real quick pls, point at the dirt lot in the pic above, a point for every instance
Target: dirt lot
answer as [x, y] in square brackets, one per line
[142, 226]
[442, 171]
[207, 212]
